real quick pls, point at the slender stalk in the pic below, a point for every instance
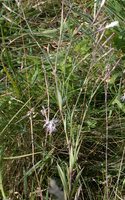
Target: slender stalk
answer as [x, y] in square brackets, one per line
[95, 7]
[33, 151]
[47, 92]
[106, 118]
[120, 170]
[55, 68]
[70, 186]
[47, 87]
[1, 184]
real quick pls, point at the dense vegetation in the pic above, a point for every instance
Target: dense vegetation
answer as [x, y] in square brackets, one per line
[62, 99]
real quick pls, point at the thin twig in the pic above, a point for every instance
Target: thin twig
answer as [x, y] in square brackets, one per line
[109, 38]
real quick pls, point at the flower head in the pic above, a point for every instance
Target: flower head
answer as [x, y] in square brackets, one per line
[50, 126]
[123, 98]
[112, 24]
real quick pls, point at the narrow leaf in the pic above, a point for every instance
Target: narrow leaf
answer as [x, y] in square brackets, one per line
[59, 98]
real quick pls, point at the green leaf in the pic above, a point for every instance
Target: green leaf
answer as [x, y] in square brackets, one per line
[34, 77]
[119, 104]
[113, 78]
[72, 159]
[59, 98]
[25, 184]
[63, 179]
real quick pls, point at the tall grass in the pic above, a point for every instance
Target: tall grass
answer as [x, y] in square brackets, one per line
[62, 100]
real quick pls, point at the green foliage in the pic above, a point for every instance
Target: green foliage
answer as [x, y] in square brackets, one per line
[54, 57]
